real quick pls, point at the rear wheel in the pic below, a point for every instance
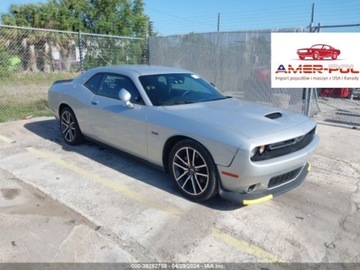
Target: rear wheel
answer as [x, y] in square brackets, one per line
[70, 128]
[193, 170]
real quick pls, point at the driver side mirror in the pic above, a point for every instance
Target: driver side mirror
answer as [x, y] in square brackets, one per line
[125, 96]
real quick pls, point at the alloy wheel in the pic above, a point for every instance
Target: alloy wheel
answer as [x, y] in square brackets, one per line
[68, 126]
[190, 171]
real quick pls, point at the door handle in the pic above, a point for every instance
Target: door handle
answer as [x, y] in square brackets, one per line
[94, 102]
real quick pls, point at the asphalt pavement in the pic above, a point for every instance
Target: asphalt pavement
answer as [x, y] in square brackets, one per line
[94, 204]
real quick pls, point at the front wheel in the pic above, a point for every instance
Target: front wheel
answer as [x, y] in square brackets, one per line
[69, 127]
[193, 170]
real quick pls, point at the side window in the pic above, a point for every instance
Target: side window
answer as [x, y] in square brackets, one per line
[109, 85]
[93, 84]
[127, 84]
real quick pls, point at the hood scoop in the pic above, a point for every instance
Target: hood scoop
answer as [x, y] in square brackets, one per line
[274, 115]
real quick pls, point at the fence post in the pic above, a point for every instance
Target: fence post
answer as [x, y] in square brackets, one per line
[80, 51]
[306, 93]
[306, 101]
[147, 53]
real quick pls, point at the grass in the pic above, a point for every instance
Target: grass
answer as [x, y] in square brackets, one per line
[25, 94]
[40, 78]
[15, 111]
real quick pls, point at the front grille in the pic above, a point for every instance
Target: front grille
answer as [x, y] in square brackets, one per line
[286, 177]
[286, 147]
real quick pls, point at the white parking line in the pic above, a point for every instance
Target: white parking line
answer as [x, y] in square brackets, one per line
[244, 246]
[6, 139]
[106, 182]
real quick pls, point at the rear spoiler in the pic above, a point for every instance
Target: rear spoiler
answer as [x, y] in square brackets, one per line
[62, 81]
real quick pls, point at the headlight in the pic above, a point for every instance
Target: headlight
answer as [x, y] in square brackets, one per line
[253, 152]
[260, 149]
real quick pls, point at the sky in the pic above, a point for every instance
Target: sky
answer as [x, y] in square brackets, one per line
[172, 17]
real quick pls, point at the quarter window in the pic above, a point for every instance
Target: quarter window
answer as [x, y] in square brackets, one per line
[94, 82]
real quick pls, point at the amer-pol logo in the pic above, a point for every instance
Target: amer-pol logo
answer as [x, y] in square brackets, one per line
[296, 65]
[317, 69]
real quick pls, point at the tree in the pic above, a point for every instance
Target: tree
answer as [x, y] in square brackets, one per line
[31, 46]
[111, 17]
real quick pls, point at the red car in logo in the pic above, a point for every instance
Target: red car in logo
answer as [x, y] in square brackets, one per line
[318, 51]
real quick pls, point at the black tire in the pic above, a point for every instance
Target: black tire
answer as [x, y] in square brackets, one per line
[193, 171]
[69, 127]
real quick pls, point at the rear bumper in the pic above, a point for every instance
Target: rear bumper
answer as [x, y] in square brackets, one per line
[264, 195]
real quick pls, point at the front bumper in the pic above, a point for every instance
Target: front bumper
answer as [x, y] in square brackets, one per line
[267, 194]
[304, 54]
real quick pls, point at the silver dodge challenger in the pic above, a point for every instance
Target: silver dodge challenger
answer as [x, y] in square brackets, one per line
[209, 143]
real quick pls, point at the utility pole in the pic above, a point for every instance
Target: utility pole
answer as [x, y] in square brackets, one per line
[218, 30]
[217, 48]
[312, 16]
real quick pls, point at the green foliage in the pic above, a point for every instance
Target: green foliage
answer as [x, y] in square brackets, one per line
[110, 17]
[5, 62]
[15, 63]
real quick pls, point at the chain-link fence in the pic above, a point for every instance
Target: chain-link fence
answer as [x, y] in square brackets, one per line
[336, 105]
[238, 63]
[32, 59]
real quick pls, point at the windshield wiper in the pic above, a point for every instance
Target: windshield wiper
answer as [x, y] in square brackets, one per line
[215, 99]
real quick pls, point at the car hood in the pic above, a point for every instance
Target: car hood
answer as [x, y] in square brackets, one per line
[244, 118]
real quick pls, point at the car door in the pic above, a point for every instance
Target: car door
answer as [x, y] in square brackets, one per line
[112, 122]
[321, 51]
[327, 51]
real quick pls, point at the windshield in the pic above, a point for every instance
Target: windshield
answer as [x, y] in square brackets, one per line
[173, 89]
[317, 46]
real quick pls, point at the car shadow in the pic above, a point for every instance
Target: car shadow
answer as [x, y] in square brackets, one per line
[120, 161]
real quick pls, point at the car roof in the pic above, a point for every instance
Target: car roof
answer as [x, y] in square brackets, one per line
[320, 45]
[139, 69]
